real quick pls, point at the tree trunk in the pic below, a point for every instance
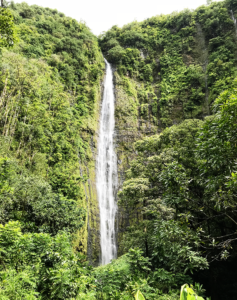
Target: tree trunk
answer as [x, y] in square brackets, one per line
[1, 3]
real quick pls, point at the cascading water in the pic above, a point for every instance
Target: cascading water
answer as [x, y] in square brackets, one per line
[234, 20]
[106, 176]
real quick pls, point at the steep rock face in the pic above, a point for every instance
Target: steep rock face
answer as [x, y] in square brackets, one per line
[50, 91]
[168, 69]
[88, 239]
[133, 122]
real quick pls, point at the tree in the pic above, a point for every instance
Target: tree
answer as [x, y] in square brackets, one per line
[7, 28]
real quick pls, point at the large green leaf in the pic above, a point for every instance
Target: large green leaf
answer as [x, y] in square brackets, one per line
[188, 293]
[139, 296]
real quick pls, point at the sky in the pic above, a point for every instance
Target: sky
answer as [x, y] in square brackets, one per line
[101, 15]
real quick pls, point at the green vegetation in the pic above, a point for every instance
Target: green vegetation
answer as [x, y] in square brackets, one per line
[50, 86]
[53, 100]
[37, 265]
[188, 293]
[181, 62]
[49, 96]
[178, 199]
[175, 75]
[183, 184]
[7, 28]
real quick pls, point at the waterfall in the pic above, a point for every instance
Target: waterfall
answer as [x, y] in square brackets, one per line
[234, 20]
[106, 172]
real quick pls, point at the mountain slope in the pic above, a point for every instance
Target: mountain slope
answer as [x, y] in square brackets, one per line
[50, 94]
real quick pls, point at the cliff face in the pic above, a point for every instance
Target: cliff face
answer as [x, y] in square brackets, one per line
[168, 69]
[50, 92]
[88, 239]
[134, 120]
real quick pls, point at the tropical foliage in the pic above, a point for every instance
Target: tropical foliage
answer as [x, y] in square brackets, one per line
[181, 61]
[179, 190]
[7, 28]
[45, 107]
[182, 185]
[49, 91]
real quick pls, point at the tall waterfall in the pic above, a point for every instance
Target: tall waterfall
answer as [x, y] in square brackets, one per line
[234, 20]
[106, 176]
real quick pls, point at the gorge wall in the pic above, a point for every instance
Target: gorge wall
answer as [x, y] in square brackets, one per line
[50, 91]
[177, 173]
[168, 68]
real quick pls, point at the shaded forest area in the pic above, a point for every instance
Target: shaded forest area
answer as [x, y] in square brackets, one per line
[175, 78]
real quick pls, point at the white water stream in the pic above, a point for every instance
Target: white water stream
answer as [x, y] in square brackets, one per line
[234, 20]
[106, 173]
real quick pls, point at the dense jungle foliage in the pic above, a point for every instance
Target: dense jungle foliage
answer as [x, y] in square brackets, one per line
[180, 190]
[178, 200]
[50, 73]
[183, 184]
[49, 83]
[181, 62]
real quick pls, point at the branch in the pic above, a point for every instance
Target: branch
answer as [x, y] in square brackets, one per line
[230, 218]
